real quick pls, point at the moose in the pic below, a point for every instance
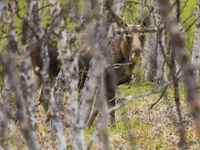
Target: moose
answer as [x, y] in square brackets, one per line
[125, 49]
[125, 46]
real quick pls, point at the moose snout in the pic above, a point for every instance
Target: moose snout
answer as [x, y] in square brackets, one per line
[135, 52]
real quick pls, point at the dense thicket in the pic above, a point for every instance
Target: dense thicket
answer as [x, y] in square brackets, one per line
[62, 60]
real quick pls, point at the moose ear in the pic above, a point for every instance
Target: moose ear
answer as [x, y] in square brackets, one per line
[146, 21]
[121, 23]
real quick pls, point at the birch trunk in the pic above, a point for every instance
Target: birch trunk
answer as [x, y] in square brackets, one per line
[150, 52]
[153, 61]
[70, 70]
[149, 57]
[5, 107]
[141, 10]
[4, 119]
[177, 44]
[22, 86]
[161, 75]
[196, 44]
[57, 127]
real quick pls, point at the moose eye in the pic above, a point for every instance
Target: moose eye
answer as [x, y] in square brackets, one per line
[141, 37]
[129, 38]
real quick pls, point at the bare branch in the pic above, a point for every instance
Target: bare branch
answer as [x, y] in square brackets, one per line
[137, 29]
[57, 126]
[181, 56]
[164, 90]
[128, 99]
[5, 116]
[186, 19]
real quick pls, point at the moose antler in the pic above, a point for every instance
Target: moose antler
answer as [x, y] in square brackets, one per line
[136, 28]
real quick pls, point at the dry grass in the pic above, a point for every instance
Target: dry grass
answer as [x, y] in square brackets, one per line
[154, 129]
[148, 130]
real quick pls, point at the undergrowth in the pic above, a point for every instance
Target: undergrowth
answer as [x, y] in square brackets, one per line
[136, 126]
[150, 129]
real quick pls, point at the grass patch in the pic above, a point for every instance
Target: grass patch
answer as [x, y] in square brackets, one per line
[154, 129]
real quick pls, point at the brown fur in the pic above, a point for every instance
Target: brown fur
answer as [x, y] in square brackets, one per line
[123, 48]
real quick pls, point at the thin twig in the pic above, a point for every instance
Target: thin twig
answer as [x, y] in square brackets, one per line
[132, 2]
[137, 29]
[130, 134]
[189, 27]
[128, 99]
[186, 19]
[92, 140]
[178, 13]
[184, 5]
[182, 142]
[178, 47]
[164, 90]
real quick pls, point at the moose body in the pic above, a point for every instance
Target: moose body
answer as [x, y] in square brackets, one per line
[123, 49]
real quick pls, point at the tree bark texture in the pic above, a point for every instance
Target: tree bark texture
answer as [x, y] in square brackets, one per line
[153, 61]
[181, 56]
[196, 44]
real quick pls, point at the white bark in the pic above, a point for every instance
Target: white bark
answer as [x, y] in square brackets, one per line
[150, 50]
[2, 6]
[153, 61]
[57, 127]
[4, 119]
[31, 22]
[196, 44]
[23, 87]
[141, 10]
[117, 7]
[149, 57]
[88, 93]
[161, 75]
[5, 101]
[70, 71]
[102, 136]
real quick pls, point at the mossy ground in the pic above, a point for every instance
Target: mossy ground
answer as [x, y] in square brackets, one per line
[135, 124]
[150, 129]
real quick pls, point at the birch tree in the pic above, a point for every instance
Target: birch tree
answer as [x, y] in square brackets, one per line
[150, 51]
[29, 32]
[154, 65]
[180, 53]
[196, 44]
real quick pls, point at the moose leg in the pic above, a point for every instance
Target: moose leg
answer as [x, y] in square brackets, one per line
[110, 88]
[93, 116]
[111, 103]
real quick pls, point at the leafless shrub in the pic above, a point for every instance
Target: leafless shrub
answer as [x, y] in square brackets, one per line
[33, 70]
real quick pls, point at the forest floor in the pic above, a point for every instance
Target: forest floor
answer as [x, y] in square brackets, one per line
[135, 124]
[153, 129]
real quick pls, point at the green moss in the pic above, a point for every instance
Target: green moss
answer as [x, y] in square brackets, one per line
[131, 13]
[187, 11]
[119, 129]
[19, 20]
[132, 89]
[42, 129]
[90, 130]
